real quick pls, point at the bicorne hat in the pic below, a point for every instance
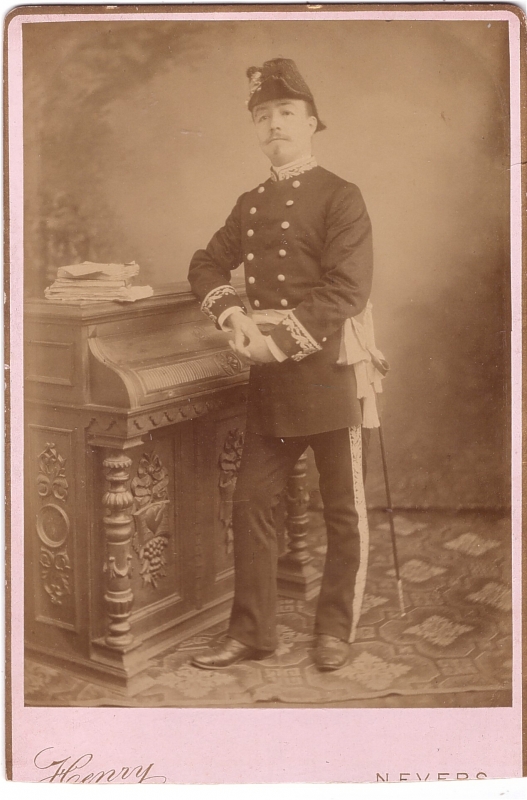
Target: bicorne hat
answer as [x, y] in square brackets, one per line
[279, 78]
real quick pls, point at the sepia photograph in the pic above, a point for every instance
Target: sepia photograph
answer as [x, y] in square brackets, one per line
[267, 366]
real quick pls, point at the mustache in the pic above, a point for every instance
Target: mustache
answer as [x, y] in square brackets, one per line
[275, 137]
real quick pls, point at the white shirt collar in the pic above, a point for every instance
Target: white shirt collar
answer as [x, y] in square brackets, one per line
[293, 168]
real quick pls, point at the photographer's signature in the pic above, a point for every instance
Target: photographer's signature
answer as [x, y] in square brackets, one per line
[73, 769]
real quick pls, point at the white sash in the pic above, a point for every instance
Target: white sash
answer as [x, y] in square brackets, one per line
[357, 348]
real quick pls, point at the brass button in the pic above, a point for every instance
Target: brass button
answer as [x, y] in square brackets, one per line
[296, 184]
[256, 303]
[281, 277]
[285, 225]
[250, 232]
[290, 202]
[251, 279]
[252, 210]
[261, 189]
[283, 302]
[282, 253]
[250, 256]
[325, 337]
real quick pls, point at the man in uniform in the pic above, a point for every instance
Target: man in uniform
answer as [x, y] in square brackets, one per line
[304, 236]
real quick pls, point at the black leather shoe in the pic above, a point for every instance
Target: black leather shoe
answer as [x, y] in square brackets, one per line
[330, 652]
[226, 654]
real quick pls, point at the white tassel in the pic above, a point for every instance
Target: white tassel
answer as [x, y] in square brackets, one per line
[357, 344]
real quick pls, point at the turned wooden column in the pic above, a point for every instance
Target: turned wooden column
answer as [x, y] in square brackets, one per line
[297, 577]
[118, 528]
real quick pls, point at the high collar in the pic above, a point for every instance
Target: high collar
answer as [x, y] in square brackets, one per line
[293, 168]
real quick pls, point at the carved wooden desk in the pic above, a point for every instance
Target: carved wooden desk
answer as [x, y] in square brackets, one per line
[133, 435]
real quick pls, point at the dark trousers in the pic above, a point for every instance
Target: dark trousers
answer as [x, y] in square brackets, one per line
[266, 465]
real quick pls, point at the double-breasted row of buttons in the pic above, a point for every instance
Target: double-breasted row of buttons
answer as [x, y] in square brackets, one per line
[295, 185]
[282, 253]
[284, 303]
[281, 278]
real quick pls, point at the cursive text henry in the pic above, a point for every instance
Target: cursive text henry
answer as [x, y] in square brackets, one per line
[74, 770]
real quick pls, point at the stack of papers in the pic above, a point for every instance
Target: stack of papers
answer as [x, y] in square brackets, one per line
[97, 283]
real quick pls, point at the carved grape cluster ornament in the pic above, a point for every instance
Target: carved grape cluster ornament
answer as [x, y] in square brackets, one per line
[151, 536]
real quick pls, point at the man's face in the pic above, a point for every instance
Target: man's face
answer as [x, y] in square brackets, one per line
[284, 129]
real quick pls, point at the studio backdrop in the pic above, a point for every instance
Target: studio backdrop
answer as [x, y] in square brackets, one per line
[138, 142]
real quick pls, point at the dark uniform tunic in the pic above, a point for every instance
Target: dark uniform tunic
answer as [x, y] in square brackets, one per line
[306, 245]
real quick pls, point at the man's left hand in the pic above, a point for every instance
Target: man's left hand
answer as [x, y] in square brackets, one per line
[256, 350]
[259, 352]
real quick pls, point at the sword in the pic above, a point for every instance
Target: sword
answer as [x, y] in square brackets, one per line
[392, 526]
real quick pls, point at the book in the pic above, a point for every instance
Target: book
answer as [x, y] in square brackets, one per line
[90, 282]
[92, 270]
[86, 283]
[124, 295]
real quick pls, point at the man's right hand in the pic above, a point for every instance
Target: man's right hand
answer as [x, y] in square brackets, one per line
[248, 342]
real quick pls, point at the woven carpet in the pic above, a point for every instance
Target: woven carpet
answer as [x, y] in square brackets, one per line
[455, 636]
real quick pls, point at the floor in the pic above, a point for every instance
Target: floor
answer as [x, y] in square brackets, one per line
[452, 648]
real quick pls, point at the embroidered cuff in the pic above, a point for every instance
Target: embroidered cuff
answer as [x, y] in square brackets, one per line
[293, 339]
[219, 300]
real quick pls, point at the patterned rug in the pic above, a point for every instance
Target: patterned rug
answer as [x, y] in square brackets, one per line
[455, 637]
